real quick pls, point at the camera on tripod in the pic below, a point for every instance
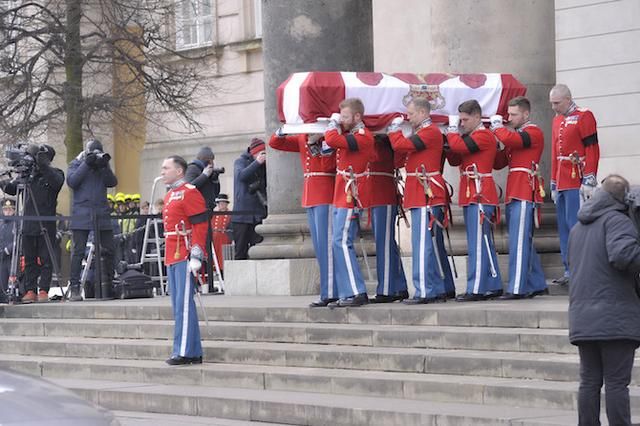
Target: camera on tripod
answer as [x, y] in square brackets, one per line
[21, 159]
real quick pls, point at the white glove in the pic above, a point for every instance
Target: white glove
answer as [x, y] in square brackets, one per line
[496, 121]
[454, 121]
[395, 124]
[334, 122]
[6, 251]
[326, 149]
[279, 132]
[554, 192]
[313, 138]
[194, 265]
[208, 170]
[588, 187]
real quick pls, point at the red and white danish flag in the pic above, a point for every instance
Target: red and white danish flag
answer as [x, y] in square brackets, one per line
[306, 96]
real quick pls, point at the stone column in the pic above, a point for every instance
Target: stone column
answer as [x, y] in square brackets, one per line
[298, 35]
[500, 36]
[307, 35]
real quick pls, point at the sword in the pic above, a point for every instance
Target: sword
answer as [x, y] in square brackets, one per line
[427, 195]
[197, 276]
[476, 181]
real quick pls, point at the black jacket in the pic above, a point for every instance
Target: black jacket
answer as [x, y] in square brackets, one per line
[209, 186]
[45, 185]
[249, 178]
[6, 237]
[604, 261]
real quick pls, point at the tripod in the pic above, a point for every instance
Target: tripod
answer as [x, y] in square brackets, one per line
[24, 193]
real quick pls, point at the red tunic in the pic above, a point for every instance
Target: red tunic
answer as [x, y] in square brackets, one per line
[356, 157]
[219, 224]
[179, 205]
[431, 158]
[576, 134]
[319, 171]
[523, 149]
[381, 175]
[479, 149]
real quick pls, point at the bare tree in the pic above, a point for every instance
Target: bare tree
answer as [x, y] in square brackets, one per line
[85, 62]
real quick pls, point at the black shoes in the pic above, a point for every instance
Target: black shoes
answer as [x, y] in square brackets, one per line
[321, 303]
[470, 297]
[561, 281]
[511, 296]
[350, 302]
[416, 301]
[450, 295]
[381, 298]
[492, 294]
[183, 360]
[539, 293]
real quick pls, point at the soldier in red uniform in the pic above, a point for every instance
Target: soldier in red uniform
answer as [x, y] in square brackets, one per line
[354, 149]
[220, 225]
[381, 178]
[319, 171]
[185, 224]
[476, 147]
[574, 163]
[425, 195]
[523, 146]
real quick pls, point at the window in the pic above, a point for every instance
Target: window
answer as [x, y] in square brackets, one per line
[257, 18]
[194, 23]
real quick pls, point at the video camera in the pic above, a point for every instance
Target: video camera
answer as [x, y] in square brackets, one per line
[21, 159]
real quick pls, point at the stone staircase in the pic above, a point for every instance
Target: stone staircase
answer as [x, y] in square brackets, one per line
[271, 359]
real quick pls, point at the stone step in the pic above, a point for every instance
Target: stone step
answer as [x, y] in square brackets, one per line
[541, 312]
[138, 418]
[302, 408]
[415, 386]
[371, 335]
[519, 365]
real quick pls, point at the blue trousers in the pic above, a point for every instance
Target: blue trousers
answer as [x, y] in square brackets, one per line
[567, 206]
[320, 220]
[431, 271]
[391, 278]
[479, 276]
[186, 334]
[345, 263]
[525, 269]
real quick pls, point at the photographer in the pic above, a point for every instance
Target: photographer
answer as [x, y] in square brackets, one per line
[604, 308]
[250, 195]
[89, 176]
[43, 184]
[202, 174]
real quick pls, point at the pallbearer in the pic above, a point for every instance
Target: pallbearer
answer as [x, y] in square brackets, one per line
[425, 195]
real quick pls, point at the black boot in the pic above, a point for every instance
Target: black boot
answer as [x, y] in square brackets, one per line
[75, 293]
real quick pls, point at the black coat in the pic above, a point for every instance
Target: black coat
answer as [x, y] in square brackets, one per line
[604, 261]
[209, 186]
[45, 185]
[6, 237]
[90, 194]
[249, 173]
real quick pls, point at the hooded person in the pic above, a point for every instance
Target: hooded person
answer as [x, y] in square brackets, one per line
[604, 306]
[250, 196]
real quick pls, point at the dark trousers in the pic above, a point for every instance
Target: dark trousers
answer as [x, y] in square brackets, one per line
[611, 361]
[79, 238]
[244, 235]
[34, 247]
[5, 267]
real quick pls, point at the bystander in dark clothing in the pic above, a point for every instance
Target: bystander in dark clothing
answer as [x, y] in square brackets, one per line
[202, 174]
[604, 309]
[89, 176]
[6, 247]
[42, 187]
[250, 196]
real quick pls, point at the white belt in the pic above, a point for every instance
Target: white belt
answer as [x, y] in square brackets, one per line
[172, 233]
[349, 174]
[418, 174]
[476, 175]
[521, 169]
[391, 175]
[312, 174]
[570, 158]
